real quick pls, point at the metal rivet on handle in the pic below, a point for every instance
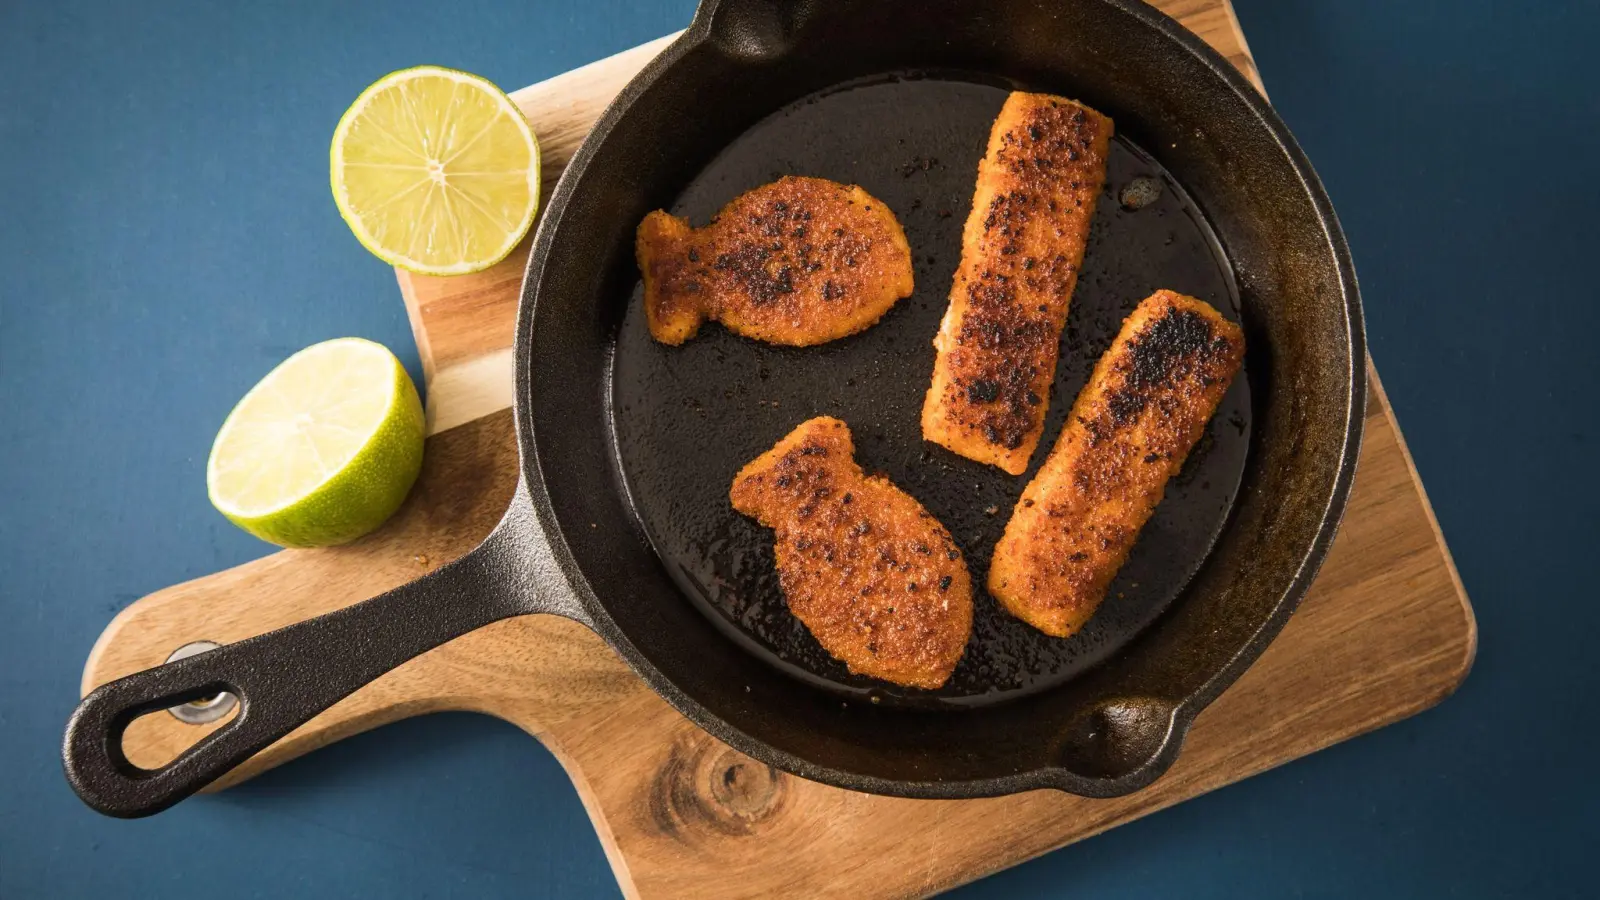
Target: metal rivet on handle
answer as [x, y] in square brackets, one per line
[206, 709]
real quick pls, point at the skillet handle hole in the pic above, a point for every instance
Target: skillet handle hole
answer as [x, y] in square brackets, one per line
[158, 737]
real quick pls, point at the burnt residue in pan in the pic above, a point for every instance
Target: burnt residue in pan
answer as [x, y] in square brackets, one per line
[686, 418]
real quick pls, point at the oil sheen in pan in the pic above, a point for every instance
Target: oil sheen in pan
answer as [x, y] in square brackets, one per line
[687, 418]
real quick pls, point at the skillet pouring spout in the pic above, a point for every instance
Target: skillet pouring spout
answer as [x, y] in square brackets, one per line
[285, 677]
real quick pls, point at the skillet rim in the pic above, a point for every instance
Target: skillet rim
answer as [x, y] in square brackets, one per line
[594, 611]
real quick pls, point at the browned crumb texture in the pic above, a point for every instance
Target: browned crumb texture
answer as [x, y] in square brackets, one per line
[1133, 425]
[799, 261]
[1020, 254]
[872, 574]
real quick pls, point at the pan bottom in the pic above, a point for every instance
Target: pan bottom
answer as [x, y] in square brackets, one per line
[685, 419]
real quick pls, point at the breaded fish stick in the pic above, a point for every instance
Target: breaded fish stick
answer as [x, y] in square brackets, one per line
[1145, 406]
[1020, 254]
[799, 262]
[875, 577]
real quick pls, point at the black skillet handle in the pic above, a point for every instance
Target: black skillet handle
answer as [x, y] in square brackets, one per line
[284, 678]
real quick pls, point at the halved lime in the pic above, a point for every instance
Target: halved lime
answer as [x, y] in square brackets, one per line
[436, 171]
[323, 449]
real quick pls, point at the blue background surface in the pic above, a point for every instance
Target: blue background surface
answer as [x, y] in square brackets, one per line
[166, 236]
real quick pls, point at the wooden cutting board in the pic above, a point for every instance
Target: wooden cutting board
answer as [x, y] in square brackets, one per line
[1385, 632]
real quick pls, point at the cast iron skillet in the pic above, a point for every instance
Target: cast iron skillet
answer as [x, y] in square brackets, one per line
[621, 519]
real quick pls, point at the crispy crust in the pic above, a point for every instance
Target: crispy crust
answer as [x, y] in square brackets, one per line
[877, 580]
[799, 262]
[1020, 255]
[1130, 430]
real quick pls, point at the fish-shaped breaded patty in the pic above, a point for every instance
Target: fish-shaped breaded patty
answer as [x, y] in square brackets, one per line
[800, 261]
[1145, 406]
[1020, 254]
[878, 581]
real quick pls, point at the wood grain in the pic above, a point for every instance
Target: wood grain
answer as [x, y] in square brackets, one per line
[1385, 632]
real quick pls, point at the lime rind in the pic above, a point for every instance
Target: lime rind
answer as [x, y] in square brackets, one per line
[357, 494]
